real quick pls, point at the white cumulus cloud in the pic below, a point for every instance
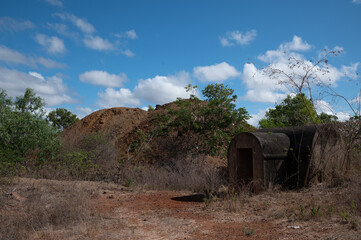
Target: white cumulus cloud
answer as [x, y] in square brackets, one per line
[269, 84]
[98, 43]
[63, 29]
[157, 90]
[53, 45]
[215, 73]
[356, 1]
[128, 53]
[131, 34]
[80, 23]
[54, 2]
[117, 98]
[12, 25]
[238, 38]
[163, 89]
[297, 44]
[11, 56]
[103, 78]
[261, 88]
[52, 89]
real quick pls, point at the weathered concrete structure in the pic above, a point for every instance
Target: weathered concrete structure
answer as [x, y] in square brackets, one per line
[287, 156]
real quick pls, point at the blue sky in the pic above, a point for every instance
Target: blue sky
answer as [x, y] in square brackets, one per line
[87, 55]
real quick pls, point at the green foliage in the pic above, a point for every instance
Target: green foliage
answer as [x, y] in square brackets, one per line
[248, 232]
[80, 164]
[150, 108]
[216, 119]
[30, 103]
[315, 211]
[294, 111]
[62, 118]
[25, 134]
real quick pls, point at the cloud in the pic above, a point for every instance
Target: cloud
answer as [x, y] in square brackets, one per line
[356, 1]
[261, 88]
[9, 56]
[163, 89]
[103, 78]
[10, 24]
[98, 43]
[83, 111]
[128, 53]
[215, 73]
[52, 44]
[48, 63]
[351, 71]
[12, 56]
[80, 23]
[272, 83]
[322, 106]
[54, 2]
[117, 98]
[131, 34]
[52, 89]
[238, 38]
[297, 44]
[341, 116]
[62, 29]
[255, 118]
[157, 90]
[282, 54]
[37, 75]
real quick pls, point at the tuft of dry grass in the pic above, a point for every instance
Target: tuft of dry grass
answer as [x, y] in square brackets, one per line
[37, 209]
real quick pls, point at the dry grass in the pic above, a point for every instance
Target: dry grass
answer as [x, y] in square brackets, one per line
[324, 203]
[42, 209]
[194, 176]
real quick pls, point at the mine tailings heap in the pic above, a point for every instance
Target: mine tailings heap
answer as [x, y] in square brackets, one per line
[291, 157]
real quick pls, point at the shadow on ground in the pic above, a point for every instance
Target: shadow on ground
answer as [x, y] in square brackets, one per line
[190, 198]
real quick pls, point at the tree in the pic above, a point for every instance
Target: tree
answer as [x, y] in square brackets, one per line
[294, 111]
[215, 120]
[25, 134]
[62, 118]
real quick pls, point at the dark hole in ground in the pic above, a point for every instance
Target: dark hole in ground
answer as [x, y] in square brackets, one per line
[190, 198]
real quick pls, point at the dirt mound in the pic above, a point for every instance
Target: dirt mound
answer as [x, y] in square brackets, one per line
[116, 124]
[123, 128]
[130, 129]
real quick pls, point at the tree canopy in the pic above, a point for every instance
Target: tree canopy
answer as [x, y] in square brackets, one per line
[216, 118]
[62, 118]
[294, 111]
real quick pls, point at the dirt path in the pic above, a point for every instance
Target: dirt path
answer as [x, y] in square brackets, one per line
[174, 215]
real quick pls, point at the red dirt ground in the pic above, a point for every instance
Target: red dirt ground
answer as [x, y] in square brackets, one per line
[120, 213]
[156, 215]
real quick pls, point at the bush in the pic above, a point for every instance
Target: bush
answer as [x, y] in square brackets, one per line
[94, 159]
[27, 140]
